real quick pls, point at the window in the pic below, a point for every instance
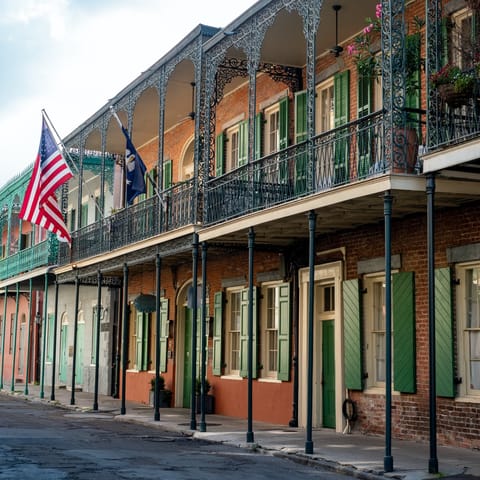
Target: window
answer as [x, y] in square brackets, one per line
[462, 39]
[233, 342]
[233, 145]
[469, 330]
[142, 336]
[272, 129]
[325, 107]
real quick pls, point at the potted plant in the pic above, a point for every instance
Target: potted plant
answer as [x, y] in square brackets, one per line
[454, 86]
[165, 395]
[209, 399]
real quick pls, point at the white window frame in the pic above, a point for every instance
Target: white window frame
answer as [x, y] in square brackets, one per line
[325, 113]
[272, 129]
[231, 293]
[463, 330]
[456, 41]
[233, 148]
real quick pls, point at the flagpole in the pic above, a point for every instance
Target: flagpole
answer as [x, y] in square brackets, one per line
[64, 149]
[150, 179]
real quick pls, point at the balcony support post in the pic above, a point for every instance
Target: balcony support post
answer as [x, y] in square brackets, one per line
[126, 316]
[193, 406]
[97, 337]
[158, 330]
[5, 301]
[29, 336]
[54, 339]
[14, 347]
[251, 244]
[75, 335]
[203, 340]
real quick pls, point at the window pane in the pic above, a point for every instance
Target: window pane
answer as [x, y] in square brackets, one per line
[379, 306]
[380, 357]
[473, 291]
[475, 360]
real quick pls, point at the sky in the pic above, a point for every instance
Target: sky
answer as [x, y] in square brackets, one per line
[69, 57]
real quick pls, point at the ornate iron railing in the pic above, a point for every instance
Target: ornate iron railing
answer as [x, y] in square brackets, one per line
[40, 255]
[348, 153]
[456, 124]
[133, 224]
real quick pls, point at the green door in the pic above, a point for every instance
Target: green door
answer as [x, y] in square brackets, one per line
[187, 359]
[328, 374]
[63, 354]
[79, 360]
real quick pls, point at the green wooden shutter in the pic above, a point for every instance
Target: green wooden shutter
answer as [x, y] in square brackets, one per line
[403, 290]
[352, 320]
[163, 333]
[284, 333]
[258, 135]
[51, 336]
[84, 215]
[244, 334]
[300, 136]
[242, 143]
[444, 333]
[217, 333]
[167, 174]
[364, 108]
[341, 87]
[139, 340]
[150, 186]
[283, 123]
[220, 154]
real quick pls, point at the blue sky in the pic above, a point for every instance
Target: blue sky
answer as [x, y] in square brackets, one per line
[70, 56]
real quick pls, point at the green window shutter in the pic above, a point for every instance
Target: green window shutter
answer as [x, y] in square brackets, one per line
[73, 220]
[300, 136]
[244, 334]
[243, 143]
[403, 294]
[163, 333]
[352, 321]
[283, 123]
[217, 333]
[284, 334]
[167, 174]
[150, 187]
[341, 90]
[84, 215]
[220, 154]
[51, 335]
[258, 135]
[444, 333]
[364, 107]
[139, 341]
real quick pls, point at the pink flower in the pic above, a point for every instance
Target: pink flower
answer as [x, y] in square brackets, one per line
[351, 49]
[378, 10]
[368, 29]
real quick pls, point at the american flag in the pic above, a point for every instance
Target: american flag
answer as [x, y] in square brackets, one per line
[50, 171]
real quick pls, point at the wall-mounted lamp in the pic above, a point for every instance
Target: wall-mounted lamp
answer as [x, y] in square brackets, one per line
[16, 207]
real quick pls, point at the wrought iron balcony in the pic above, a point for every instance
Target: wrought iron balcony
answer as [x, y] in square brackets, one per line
[40, 255]
[133, 224]
[352, 152]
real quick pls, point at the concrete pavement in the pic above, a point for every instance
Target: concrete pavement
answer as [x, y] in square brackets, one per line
[355, 454]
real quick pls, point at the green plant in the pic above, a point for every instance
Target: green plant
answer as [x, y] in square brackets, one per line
[198, 386]
[161, 383]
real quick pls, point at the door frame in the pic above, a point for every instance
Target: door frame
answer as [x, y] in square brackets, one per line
[323, 274]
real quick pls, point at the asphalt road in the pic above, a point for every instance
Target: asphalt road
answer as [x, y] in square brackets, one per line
[42, 442]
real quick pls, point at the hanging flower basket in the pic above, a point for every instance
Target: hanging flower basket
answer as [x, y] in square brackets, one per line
[452, 97]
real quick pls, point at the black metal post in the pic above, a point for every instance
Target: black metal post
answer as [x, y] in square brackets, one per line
[251, 243]
[203, 343]
[433, 460]
[75, 332]
[14, 347]
[294, 420]
[387, 210]
[97, 339]
[44, 336]
[193, 405]
[126, 314]
[158, 330]
[5, 300]
[54, 346]
[29, 337]
[312, 218]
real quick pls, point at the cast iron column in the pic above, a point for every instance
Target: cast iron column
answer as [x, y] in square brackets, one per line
[97, 339]
[387, 210]
[433, 460]
[126, 314]
[158, 329]
[251, 242]
[312, 217]
[75, 332]
[203, 343]
[193, 403]
[54, 346]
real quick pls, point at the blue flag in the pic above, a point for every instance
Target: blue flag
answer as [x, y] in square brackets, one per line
[135, 171]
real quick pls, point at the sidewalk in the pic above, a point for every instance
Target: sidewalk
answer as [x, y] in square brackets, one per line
[355, 454]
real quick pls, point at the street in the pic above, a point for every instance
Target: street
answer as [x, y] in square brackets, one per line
[41, 442]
